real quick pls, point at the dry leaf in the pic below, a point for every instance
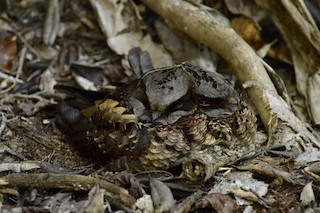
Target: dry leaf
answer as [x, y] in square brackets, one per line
[242, 180]
[8, 49]
[264, 168]
[187, 203]
[123, 33]
[183, 48]
[51, 25]
[314, 96]
[161, 195]
[219, 202]
[47, 81]
[129, 182]
[309, 155]
[313, 168]
[303, 38]
[95, 201]
[145, 204]
[248, 30]
[245, 7]
[307, 195]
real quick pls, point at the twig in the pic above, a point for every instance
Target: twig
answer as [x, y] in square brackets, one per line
[19, 70]
[10, 78]
[69, 182]
[25, 42]
[3, 122]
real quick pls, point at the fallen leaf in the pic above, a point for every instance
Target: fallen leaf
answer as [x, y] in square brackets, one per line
[264, 168]
[314, 168]
[245, 7]
[51, 26]
[95, 201]
[307, 195]
[162, 196]
[309, 155]
[128, 181]
[145, 204]
[47, 81]
[243, 180]
[219, 202]
[120, 23]
[248, 30]
[314, 96]
[8, 49]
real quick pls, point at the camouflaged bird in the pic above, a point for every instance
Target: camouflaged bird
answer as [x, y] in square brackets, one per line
[163, 116]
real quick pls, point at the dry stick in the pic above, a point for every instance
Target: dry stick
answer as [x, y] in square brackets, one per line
[208, 29]
[67, 181]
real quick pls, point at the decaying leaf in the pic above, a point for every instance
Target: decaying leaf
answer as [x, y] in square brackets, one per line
[307, 195]
[314, 96]
[245, 7]
[70, 28]
[308, 156]
[95, 201]
[187, 203]
[30, 105]
[183, 48]
[263, 167]
[303, 38]
[219, 202]
[47, 81]
[52, 168]
[8, 49]
[145, 204]
[60, 202]
[280, 110]
[313, 170]
[122, 27]
[128, 181]
[52, 22]
[243, 181]
[69, 54]
[248, 30]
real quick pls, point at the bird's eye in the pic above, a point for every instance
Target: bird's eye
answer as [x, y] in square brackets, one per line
[178, 105]
[182, 103]
[203, 101]
[213, 103]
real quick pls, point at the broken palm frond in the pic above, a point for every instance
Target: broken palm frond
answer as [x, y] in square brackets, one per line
[69, 182]
[303, 38]
[222, 39]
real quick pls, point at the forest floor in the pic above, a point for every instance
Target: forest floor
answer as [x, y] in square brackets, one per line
[84, 44]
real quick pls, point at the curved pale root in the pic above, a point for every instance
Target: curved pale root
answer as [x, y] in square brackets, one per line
[212, 29]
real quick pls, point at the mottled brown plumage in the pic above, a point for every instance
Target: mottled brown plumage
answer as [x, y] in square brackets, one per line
[167, 114]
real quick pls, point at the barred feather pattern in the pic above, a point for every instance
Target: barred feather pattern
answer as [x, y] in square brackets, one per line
[134, 130]
[170, 143]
